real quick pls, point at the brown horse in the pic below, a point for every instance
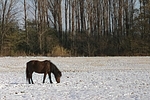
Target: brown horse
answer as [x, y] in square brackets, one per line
[46, 67]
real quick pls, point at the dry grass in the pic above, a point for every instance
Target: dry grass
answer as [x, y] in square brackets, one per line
[60, 51]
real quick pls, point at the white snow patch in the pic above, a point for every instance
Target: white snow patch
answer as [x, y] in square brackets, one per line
[83, 78]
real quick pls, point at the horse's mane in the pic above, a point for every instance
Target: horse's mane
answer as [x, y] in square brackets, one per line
[55, 70]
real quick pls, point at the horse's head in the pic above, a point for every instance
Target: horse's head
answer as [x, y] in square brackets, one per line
[56, 72]
[57, 77]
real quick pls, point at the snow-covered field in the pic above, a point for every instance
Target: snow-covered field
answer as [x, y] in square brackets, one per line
[83, 78]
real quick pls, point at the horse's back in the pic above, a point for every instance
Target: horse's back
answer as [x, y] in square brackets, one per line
[31, 63]
[38, 66]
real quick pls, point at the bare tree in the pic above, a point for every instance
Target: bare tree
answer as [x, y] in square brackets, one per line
[26, 29]
[8, 12]
[66, 14]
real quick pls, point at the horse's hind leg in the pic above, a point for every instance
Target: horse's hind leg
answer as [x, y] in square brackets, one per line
[30, 79]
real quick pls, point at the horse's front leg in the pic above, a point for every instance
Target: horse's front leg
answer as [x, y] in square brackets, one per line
[44, 77]
[50, 78]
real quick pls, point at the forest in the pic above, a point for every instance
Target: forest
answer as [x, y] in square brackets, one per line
[75, 27]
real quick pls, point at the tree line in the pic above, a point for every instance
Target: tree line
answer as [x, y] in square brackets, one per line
[75, 27]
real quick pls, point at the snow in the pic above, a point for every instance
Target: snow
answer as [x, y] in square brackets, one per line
[83, 78]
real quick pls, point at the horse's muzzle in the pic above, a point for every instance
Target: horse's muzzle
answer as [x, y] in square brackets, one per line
[58, 80]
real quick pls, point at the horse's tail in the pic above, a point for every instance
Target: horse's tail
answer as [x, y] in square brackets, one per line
[27, 72]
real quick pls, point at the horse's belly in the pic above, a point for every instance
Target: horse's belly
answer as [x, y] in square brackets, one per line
[42, 71]
[39, 72]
